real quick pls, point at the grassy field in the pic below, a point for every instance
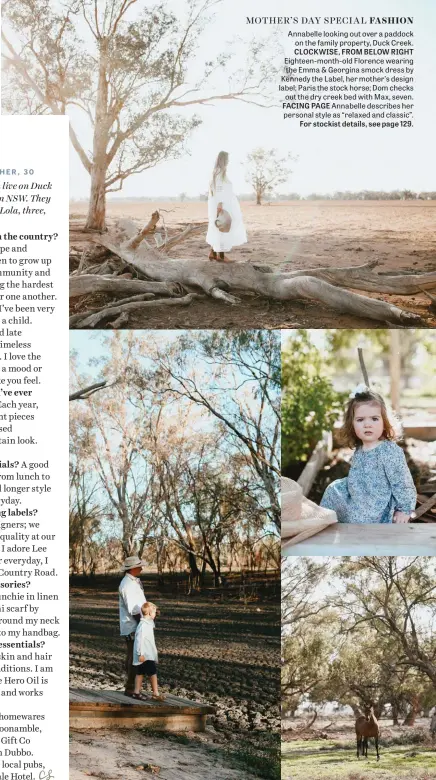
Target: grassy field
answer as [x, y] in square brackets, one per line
[404, 753]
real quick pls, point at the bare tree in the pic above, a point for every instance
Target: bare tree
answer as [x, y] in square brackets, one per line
[223, 508]
[176, 507]
[266, 171]
[251, 418]
[202, 507]
[126, 76]
[174, 480]
[110, 433]
[85, 521]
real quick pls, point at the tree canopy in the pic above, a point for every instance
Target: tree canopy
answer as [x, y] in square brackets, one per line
[266, 171]
[360, 632]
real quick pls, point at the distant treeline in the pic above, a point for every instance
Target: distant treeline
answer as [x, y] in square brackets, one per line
[365, 195]
[346, 195]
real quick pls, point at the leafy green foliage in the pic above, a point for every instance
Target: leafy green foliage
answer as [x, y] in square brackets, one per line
[417, 356]
[310, 404]
[368, 639]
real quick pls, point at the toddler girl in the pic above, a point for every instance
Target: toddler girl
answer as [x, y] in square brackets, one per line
[145, 653]
[379, 487]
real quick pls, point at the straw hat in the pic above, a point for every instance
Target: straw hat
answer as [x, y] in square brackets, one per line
[223, 221]
[133, 562]
[301, 518]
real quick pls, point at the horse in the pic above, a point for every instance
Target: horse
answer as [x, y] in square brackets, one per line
[366, 728]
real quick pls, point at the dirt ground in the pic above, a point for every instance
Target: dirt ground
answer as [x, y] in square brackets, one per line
[328, 752]
[205, 646]
[225, 654]
[291, 236]
[131, 754]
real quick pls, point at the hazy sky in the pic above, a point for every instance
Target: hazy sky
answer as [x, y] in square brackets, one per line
[328, 159]
[90, 345]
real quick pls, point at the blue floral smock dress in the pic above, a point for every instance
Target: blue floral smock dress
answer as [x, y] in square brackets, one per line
[378, 484]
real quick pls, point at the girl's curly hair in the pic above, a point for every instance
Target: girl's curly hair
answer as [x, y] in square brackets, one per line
[347, 435]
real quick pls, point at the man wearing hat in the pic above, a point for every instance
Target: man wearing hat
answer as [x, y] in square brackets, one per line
[131, 600]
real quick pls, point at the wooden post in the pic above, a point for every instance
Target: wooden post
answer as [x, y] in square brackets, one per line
[362, 366]
[317, 460]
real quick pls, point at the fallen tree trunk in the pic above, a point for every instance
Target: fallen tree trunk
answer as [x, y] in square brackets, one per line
[149, 228]
[216, 279]
[191, 230]
[109, 267]
[94, 283]
[359, 278]
[95, 318]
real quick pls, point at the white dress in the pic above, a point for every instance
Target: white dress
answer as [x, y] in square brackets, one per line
[223, 242]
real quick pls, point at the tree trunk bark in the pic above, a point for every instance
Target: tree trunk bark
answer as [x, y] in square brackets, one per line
[212, 564]
[96, 219]
[127, 543]
[195, 571]
[378, 708]
[411, 716]
[87, 284]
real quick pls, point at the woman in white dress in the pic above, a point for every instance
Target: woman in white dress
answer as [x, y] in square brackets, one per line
[222, 199]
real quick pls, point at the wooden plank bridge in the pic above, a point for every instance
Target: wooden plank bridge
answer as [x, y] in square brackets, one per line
[95, 709]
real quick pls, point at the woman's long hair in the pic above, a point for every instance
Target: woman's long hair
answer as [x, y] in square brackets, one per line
[220, 169]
